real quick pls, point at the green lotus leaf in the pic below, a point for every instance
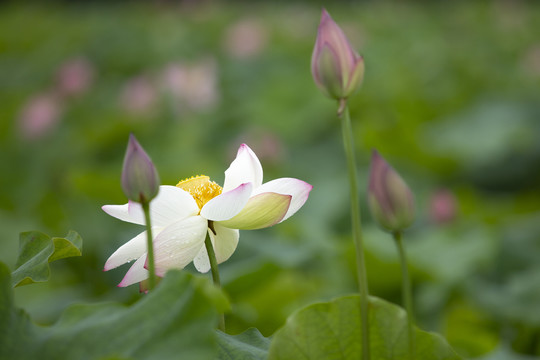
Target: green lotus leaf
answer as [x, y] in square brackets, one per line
[37, 250]
[332, 331]
[176, 320]
[249, 345]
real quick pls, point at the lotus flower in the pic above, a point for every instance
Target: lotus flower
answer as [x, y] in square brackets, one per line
[390, 200]
[336, 68]
[182, 215]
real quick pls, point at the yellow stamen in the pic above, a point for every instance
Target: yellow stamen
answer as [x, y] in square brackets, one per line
[201, 188]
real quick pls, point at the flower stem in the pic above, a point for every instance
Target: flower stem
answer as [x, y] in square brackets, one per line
[407, 292]
[149, 245]
[343, 114]
[215, 274]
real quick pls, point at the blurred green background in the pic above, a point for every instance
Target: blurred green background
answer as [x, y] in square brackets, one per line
[451, 98]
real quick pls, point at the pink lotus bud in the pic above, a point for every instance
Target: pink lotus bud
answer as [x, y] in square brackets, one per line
[140, 180]
[390, 200]
[336, 68]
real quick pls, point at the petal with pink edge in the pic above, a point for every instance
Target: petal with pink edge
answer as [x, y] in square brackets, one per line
[298, 189]
[179, 243]
[227, 205]
[136, 273]
[224, 243]
[131, 250]
[261, 211]
[246, 168]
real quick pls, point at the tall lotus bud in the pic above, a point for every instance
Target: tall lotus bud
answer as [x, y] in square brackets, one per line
[390, 200]
[140, 180]
[336, 68]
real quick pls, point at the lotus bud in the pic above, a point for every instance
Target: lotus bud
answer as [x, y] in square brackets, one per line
[390, 200]
[140, 180]
[336, 68]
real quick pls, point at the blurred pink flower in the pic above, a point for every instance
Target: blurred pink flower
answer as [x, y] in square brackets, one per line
[442, 206]
[39, 115]
[510, 15]
[139, 96]
[193, 86]
[245, 39]
[75, 77]
[531, 61]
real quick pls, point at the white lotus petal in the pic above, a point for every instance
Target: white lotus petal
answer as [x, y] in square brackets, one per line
[246, 168]
[298, 189]
[122, 212]
[179, 243]
[131, 250]
[170, 205]
[224, 243]
[201, 261]
[136, 273]
[228, 204]
[261, 211]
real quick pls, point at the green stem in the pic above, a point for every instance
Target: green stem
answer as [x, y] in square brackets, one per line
[348, 144]
[149, 245]
[215, 273]
[407, 292]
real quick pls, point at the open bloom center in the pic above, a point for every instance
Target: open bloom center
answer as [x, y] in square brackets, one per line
[201, 188]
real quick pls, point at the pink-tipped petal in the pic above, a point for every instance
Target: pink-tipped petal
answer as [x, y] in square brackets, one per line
[298, 189]
[246, 168]
[261, 211]
[228, 204]
[224, 242]
[136, 273]
[179, 243]
[131, 250]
